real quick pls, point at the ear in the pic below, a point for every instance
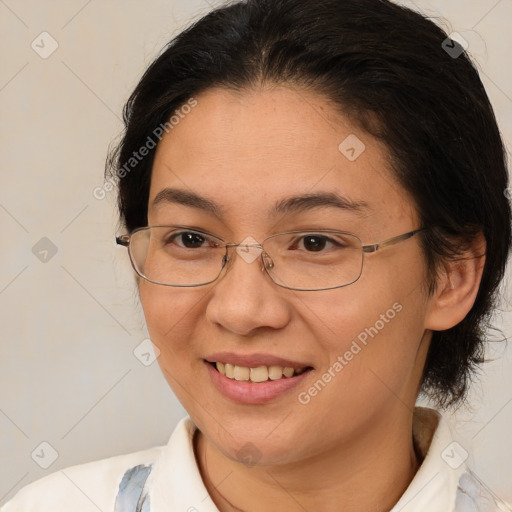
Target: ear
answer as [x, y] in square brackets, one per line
[457, 286]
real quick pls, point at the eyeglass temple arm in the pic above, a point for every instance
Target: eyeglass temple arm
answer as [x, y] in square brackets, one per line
[123, 240]
[390, 241]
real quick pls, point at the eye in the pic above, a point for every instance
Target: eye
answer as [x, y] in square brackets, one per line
[314, 243]
[189, 240]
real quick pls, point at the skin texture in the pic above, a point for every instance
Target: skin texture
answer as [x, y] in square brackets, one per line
[352, 443]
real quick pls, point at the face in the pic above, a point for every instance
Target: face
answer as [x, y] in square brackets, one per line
[365, 344]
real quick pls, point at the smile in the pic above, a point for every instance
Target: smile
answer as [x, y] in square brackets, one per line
[257, 374]
[269, 384]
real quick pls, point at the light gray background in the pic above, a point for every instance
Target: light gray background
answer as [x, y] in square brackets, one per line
[70, 325]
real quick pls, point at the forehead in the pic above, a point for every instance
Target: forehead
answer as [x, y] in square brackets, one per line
[250, 149]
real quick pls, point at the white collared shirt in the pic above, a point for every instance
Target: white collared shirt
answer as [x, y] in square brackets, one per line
[443, 482]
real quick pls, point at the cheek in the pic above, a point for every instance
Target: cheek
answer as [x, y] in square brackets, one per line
[370, 334]
[171, 315]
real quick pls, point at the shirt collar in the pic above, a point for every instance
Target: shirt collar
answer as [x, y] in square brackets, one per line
[175, 483]
[434, 487]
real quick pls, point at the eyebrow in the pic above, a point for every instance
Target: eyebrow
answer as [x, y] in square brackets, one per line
[288, 205]
[311, 201]
[186, 198]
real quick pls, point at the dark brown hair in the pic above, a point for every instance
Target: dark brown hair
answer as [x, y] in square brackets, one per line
[394, 72]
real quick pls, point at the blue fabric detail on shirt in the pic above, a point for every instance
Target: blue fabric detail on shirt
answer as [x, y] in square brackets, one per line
[132, 495]
[474, 496]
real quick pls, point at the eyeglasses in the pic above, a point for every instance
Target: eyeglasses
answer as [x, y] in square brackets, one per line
[297, 260]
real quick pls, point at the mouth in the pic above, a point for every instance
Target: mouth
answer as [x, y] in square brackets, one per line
[257, 374]
[263, 380]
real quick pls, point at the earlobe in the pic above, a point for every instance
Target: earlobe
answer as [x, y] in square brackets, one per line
[457, 287]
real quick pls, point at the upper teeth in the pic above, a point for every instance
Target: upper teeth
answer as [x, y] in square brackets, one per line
[258, 374]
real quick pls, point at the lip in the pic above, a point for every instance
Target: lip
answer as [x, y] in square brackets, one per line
[254, 360]
[253, 393]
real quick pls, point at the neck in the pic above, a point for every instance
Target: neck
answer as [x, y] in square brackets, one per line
[368, 474]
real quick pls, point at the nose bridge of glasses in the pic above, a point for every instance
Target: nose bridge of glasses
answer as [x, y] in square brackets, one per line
[249, 250]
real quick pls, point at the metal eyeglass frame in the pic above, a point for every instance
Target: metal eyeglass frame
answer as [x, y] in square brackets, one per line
[124, 240]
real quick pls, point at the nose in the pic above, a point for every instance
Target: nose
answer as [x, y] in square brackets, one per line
[244, 298]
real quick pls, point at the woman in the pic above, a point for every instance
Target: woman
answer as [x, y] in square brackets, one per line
[314, 202]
